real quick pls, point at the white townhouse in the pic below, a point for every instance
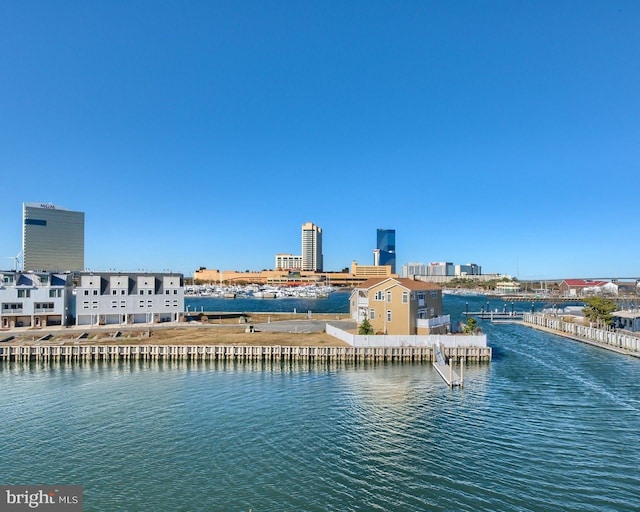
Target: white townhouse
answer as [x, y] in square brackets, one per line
[35, 299]
[105, 298]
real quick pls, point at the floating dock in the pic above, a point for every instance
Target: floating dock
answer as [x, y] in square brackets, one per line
[44, 352]
[496, 315]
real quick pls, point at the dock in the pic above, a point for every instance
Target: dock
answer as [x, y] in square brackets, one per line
[446, 370]
[96, 352]
[496, 315]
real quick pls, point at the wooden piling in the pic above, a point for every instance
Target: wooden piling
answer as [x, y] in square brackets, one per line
[44, 352]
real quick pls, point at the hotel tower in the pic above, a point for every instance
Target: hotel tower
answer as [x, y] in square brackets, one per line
[311, 247]
[52, 238]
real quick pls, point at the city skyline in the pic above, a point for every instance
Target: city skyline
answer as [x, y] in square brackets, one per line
[203, 135]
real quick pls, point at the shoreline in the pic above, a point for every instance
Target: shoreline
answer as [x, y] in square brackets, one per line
[579, 339]
[244, 353]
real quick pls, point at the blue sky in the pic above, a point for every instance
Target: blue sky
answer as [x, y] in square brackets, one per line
[205, 133]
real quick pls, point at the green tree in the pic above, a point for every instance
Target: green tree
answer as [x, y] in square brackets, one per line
[365, 327]
[471, 326]
[598, 310]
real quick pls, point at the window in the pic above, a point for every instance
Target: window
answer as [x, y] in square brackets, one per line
[388, 315]
[389, 296]
[86, 292]
[114, 303]
[434, 294]
[379, 295]
[167, 292]
[7, 279]
[123, 303]
[372, 314]
[95, 292]
[24, 294]
[85, 304]
[175, 292]
[55, 293]
[123, 292]
[114, 292]
[94, 304]
[141, 292]
[405, 297]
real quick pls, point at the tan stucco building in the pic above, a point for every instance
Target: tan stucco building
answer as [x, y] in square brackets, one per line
[399, 306]
[358, 274]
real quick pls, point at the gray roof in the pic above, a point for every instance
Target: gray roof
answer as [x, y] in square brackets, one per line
[627, 314]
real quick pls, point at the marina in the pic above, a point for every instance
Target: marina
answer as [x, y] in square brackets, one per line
[255, 291]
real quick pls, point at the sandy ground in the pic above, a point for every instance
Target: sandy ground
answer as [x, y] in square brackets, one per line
[215, 332]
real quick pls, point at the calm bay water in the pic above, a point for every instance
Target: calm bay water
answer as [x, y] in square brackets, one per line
[550, 424]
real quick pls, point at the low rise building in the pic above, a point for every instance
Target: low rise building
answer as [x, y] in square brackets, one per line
[368, 271]
[35, 299]
[399, 306]
[441, 269]
[585, 287]
[508, 287]
[628, 320]
[288, 262]
[104, 298]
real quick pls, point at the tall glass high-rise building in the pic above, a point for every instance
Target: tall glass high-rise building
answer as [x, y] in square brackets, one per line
[311, 247]
[385, 252]
[52, 238]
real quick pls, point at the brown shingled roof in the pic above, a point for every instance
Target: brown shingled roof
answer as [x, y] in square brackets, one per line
[402, 281]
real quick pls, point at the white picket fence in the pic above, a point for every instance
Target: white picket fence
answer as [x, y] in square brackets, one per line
[607, 338]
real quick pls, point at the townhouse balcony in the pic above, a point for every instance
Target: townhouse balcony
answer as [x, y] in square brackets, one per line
[432, 323]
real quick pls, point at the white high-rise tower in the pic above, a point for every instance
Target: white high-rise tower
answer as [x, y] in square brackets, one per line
[311, 247]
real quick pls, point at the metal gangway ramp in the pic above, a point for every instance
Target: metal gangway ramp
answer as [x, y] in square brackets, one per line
[446, 370]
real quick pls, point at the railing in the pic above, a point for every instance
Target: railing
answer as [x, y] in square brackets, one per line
[412, 340]
[604, 337]
[430, 323]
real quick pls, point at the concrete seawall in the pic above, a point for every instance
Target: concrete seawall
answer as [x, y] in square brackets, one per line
[43, 352]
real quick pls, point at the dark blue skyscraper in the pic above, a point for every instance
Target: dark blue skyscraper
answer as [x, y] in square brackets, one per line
[385, 253]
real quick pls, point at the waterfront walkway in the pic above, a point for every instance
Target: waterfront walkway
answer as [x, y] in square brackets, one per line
[615, 341]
